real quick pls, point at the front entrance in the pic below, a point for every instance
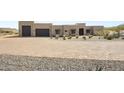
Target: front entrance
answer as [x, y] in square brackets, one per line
[81, 31]
[26, 31]
[42, 32]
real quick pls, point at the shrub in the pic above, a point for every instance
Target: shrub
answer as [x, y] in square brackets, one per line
[116, 35]
[90, 36]
[57, 37]
[84, 37]
[64, 38]
[69, 37]
[77, 36]
[110, 37]
[105, 36]
[99, 68]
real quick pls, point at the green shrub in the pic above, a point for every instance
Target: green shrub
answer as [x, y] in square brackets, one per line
[90, 36]
[110, 37]
[99, 68]
[69, 37]
[84, 37]
[64, 38]
[77, 36]
[105, 35]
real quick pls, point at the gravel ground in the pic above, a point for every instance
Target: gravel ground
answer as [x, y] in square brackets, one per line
[75, 48]
[29, 63]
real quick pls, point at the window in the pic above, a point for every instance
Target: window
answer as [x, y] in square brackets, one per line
[65, 30]
[73, 31]
[57, 31]
[88, 31]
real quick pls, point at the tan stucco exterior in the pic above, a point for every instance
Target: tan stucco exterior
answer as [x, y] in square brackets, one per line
[62, 29]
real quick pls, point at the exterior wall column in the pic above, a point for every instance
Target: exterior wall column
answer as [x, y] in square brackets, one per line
[51, 31]
[84, 30]
[20, 29]
[33, 32]
[77, 30]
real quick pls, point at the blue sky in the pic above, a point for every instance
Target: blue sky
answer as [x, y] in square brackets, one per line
[14, 24]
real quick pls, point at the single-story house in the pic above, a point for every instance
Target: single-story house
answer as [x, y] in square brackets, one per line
[32, 29]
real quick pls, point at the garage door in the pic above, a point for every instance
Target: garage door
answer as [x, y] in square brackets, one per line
[42, 32]
[26, 31]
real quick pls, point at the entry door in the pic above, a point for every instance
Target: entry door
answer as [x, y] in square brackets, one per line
[81, 31]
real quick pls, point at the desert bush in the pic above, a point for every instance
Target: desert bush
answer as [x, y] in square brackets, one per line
[99, 33]
[116, 35]
[69, 37]
[113, 35]
[57, 37]
[109, 34]
[64, 37]
[84, 37]
[99, 68]
[77, 36]
[105, 36]
[90, 36]
[109, 38]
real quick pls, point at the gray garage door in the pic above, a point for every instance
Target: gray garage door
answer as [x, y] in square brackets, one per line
[42, 32]
[26, 31]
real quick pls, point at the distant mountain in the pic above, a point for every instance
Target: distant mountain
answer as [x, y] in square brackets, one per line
[8, 30]
[121, 25]
[116, 28]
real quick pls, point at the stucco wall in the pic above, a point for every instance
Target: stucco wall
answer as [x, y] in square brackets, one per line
[52, 28]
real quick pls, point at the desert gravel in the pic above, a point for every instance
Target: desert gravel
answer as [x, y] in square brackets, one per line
[28, 63]
[45, 54]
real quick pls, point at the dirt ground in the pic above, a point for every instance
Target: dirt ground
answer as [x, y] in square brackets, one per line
[46, 47]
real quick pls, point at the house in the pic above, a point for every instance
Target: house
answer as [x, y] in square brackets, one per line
[32, 29]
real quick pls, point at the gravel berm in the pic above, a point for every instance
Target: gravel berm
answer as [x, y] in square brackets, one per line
[29, 63]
